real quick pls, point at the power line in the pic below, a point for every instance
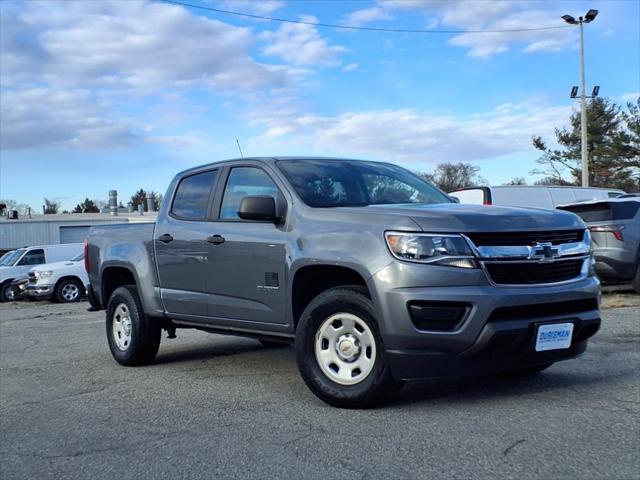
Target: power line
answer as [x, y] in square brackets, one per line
[353, 27]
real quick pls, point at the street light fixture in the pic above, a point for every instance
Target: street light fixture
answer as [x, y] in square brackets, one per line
[588, 18]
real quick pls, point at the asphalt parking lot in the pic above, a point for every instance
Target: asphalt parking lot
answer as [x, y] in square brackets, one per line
[226, 407]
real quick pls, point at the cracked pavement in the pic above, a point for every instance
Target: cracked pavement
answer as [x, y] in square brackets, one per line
[226, 407]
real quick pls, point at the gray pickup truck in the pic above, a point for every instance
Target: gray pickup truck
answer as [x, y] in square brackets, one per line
[376, 275]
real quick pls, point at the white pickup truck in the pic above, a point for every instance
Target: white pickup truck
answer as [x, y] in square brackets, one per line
[61, 281]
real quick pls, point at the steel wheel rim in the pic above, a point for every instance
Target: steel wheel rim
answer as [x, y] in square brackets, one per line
[70, 292]
[121, 327]
[345, 349]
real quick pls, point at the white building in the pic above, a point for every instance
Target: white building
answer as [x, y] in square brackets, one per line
[59, 228]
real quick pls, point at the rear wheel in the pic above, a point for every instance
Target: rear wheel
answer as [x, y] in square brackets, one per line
[134, 338]
[339, 351]
[68, 290]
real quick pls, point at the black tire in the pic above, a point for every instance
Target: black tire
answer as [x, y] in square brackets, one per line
[144, 340]
[68, 290]
[6, 291]
[635, 283]
[377, 385]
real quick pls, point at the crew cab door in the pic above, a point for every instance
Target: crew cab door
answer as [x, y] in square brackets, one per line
[178, 241]
[245, 260]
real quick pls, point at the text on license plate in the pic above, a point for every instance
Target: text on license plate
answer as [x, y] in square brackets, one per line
[555, 336]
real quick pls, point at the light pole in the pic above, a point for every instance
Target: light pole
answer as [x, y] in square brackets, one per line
[588, 18]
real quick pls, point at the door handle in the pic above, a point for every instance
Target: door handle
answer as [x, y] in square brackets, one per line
[215, 239]
[166, 238]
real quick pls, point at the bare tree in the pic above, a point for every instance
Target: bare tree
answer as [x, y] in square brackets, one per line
[51, 206]
[516, 181]
[454, 176]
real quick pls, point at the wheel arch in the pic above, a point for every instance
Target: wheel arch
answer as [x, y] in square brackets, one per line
[308, 281]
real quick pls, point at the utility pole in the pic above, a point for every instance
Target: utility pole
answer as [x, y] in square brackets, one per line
[583, 113]
[588, 18]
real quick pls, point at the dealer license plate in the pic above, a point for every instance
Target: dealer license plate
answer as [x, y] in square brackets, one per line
[554, 336]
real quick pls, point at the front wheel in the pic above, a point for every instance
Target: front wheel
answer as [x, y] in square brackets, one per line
[134, 338]
[68, 291]
[7, 292]
[339, 351]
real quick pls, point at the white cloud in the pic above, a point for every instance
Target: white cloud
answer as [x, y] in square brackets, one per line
[366, 15]
[301, 44]
[491, 15]
[134, 44]
[408, 135]
[35, 117]
[350, 67]
[72, 64]
[630, 97]
[258, 7]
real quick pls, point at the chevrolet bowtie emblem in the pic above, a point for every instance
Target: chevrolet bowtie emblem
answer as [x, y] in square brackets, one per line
[545, 252]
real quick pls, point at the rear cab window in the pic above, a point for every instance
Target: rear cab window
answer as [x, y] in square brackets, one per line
[604, 211]
[191, 200]
[473, 196]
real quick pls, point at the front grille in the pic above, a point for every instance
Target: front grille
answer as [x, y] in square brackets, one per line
[32, 278]
[525, 238]
[529, 273]
[538, 310]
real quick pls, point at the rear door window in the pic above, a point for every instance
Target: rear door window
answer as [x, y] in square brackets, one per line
[192, 196]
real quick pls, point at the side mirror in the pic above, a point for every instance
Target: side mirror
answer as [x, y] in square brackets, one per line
[258, 207]
[454, 199]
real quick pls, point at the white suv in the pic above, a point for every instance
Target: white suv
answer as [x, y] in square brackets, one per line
[61, 281]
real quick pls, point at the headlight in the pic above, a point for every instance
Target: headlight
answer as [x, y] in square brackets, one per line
[42, 274]
[441, 249]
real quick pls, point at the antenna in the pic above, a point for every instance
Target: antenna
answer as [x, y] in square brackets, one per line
[241, 156]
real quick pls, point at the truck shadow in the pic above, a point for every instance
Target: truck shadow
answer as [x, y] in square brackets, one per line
[549, 384]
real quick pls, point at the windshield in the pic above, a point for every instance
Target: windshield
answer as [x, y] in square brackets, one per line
[351, 183]
[10, 258]
[78, 258]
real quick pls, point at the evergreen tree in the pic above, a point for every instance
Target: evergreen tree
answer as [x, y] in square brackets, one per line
[613, 160]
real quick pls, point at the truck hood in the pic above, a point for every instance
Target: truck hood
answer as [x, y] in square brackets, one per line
[454, 217]
[67, 264]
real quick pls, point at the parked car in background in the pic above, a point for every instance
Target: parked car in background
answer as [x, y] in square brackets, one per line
[615, 233]
[532, 196]
[16, 266]
[61, 281]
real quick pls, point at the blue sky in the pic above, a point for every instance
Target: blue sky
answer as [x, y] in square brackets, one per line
[101, 95]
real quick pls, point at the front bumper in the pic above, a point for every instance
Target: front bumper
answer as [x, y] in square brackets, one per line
[500, 347]
[497, 331]
[40, 291]
[614, 269]
[20, 289]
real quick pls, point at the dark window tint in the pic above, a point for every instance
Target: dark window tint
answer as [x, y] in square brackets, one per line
[345, 183]
[33, 257]
[605, 211]
[244, 181]
[192, 196]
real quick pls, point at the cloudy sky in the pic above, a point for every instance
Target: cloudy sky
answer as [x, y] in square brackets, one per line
[99, 95]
